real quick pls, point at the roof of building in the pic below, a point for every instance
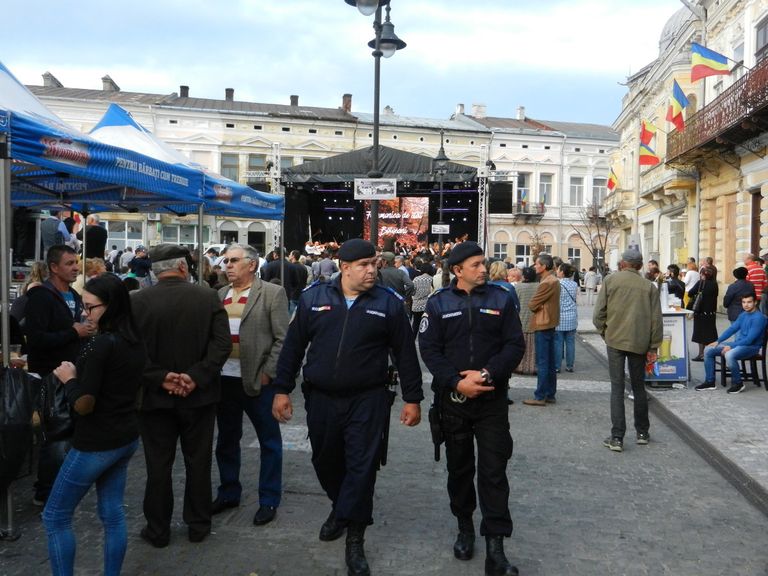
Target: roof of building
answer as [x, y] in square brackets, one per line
[529, 125]
[459, 122]
[173, 100]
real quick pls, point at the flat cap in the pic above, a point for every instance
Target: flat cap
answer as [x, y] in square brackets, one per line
[632, 256]
[355, 249]
[388, 256]
[140, 248]
[462, 251]
[167, 252]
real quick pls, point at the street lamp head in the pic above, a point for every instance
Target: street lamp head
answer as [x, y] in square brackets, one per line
[367, 7]
[389, 43]
[440, 162]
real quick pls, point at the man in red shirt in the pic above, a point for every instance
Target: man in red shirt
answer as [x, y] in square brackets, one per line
[755, 274]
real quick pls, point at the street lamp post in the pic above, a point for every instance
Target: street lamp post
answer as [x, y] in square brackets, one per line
[440, 167]
[385, 43]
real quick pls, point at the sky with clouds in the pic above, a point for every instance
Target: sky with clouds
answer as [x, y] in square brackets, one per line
[561, 59]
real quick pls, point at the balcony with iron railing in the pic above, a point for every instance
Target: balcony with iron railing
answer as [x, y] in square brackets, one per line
[528, 211]
[727, 120]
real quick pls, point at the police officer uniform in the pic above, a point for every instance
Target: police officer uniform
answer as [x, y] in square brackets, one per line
[479, 330]
[345, 384]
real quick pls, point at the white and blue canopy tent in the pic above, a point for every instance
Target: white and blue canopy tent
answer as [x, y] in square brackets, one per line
[221, 196]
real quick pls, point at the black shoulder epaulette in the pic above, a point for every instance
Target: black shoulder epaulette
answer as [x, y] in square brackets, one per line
[498, 286]
[313, 285]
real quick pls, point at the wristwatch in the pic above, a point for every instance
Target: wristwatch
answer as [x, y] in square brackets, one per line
[486, 376]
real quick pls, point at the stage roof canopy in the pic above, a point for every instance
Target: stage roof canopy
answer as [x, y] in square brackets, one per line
[404, 166]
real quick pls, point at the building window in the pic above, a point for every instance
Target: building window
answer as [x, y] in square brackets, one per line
[761, 45]
[577, 149]
[525, 145]
[601, 151]
[523, 254]
[229, 125]
[286, 161]
[185, 234]
[313, 130]
[545, 189]
[576, 197]
[173, 121]
[574, 257]
[339, 133]
[523, 188]
[547, 147]
[124, 233]
[499, 250]
[738, 56]
[230, 166]
[647, 241]
[286, 129]
[599, 190]
[257, 162]
[502, 145]
[257, 126]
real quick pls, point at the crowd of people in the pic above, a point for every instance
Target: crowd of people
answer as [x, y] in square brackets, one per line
[339, 315]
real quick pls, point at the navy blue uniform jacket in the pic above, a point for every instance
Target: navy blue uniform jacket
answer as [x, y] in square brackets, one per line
[461, 331]
[348, 348]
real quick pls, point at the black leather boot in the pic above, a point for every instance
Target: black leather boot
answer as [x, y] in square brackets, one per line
[496, 563]
[464, 547]
[357, 565]
[332, 528]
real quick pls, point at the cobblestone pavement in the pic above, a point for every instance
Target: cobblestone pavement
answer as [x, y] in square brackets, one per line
[578, 508]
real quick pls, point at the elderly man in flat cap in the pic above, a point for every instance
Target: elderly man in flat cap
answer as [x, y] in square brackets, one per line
[186, 332]
[628, 316]
[350, 325]
[471, 340]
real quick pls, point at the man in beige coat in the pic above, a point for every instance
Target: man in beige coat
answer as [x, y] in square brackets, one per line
[628, 316]
[545, 306]
[258, 321]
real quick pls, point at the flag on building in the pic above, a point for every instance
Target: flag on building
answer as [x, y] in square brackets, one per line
[647, 156]
[676, 106]
[613, 180]
[706, 62]
[647, 132]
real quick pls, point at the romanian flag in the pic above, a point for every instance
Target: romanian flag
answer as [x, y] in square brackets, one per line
[675, 111]
[613, 180]
[706, 62]
[647, 132]
[647, 156]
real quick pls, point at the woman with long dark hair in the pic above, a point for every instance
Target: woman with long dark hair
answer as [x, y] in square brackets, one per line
[102, 388]
[704, 319]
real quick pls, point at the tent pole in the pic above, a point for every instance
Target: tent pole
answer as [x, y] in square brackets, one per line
[5, 246]
[38, 239]
[281, 252]
[200, 251]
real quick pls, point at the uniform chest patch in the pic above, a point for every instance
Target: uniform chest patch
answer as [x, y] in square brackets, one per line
[490, 311]
[376, 313]
[321, 308]
[452, 314]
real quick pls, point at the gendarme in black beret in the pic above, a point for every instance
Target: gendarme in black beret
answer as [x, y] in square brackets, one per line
[167, 252]
[462, 251]
[355, 249]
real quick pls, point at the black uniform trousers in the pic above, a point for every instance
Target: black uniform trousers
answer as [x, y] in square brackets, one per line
[345, 433]
[485, 420]
[160, 431]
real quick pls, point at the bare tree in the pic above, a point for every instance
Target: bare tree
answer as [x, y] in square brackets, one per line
[594, 231]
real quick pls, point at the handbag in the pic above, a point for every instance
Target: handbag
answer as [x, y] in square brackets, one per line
[696, 306]
[17, 401]
[55, 413]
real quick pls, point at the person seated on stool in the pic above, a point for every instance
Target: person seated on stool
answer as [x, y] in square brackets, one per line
[750, 326]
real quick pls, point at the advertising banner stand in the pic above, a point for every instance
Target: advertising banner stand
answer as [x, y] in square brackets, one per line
[673, 360]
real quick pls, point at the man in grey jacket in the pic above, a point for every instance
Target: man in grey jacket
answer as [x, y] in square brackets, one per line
[258, 321]
[628, 316]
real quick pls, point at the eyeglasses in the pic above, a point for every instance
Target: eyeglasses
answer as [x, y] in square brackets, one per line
[91, 307]
[234, 260]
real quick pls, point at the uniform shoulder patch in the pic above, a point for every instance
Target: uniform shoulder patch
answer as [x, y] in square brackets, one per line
[438, 291]
[314, 284]
[424, 324]
[499, 286]
[391, 291]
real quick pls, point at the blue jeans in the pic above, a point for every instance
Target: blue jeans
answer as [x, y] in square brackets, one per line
[567, 339]
[229, 419]
[546, 364]
[108, 470]
[732, 358]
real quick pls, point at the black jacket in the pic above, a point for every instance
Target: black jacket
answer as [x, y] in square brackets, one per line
[461, 331]
[349, 347]
[732, 298]
[51, 337]
[185, 329]
[95, 241]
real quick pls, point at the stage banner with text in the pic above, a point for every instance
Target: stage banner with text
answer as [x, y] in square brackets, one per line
[405, 220]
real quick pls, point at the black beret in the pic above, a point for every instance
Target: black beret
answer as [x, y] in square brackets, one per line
[462, 251]
[355, 249]
[167, 252]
